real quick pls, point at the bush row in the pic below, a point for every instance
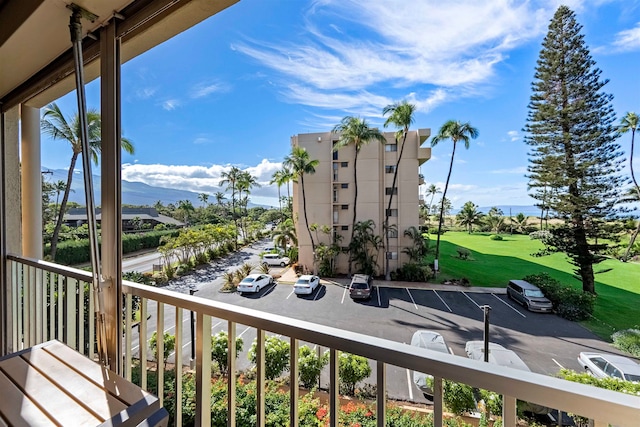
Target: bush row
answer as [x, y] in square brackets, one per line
[568, 302]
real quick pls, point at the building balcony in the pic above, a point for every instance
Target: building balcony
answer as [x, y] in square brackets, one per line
[49, 301]
[420, 179]
[424, 154]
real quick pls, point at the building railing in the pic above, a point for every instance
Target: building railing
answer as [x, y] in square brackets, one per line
[52, 301]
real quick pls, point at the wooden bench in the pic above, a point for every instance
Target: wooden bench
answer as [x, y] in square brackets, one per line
[52, 384]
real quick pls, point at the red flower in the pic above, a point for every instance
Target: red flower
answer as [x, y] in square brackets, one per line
[368, 414]
[321, 413]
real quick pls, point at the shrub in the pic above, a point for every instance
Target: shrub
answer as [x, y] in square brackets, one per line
[568, 302]
[627, 340]
[352, 369]
[220, 349]
[463, 253]
[457, 397]
[412, 272]
[496, 237]
[543, 235]
[169, 346]
[276, 353]
[310, 366]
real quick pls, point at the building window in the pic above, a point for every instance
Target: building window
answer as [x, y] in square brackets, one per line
[335, 155]
[392, 255]
[335, 171]
[344, 207]
[345, 227]
[335, 215]
[392, 233]
[390, 169]
[391, 212]
[387, 191]
[391, 147]
[344, 164]
[335, 195]
[344, 185]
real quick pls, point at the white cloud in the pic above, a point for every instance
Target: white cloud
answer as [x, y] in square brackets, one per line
[203, 89]
[513, 135]
[449, 49]
[628, 40]
[171, 104]
[146, 92]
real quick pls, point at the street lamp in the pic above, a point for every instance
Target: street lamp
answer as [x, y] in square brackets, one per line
[486, 309]
[192, 360]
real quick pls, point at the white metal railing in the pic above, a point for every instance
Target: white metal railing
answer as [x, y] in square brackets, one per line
[33, 323]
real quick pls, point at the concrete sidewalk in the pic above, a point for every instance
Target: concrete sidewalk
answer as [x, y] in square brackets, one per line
[289, 277]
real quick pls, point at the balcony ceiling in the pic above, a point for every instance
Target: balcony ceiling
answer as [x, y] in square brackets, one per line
[35, 33]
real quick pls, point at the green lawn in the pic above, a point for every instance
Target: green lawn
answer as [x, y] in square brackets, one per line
[493, 263]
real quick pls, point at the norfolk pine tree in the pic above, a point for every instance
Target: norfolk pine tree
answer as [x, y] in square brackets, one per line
[573, 143]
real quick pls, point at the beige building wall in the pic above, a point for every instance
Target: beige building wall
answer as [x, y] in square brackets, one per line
[330, 192]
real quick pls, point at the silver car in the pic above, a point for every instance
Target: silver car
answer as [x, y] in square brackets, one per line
[255, 282]
[603, 365]
[431, 341]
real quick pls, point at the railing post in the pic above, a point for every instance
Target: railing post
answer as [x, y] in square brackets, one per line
[437, 402]
[128, 314]
[203, 370]
[509, 413]
[334, 387]
[178, 366]
[231, 375]
[381, 393]
[293, 383]
[142, 343]
[260, 379]
[160, 350]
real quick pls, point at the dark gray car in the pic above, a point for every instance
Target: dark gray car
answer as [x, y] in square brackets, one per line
[530, 296]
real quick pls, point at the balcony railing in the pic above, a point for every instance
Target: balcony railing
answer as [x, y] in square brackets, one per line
[51, 301]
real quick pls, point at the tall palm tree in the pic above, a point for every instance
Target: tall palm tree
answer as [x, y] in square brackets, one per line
[230, 178]
[204, 198]
[401, 116]
[280, 177]
[55, 125]
[220, 197]
[245, 184]
[432, 191]
[58, 187]
[354, 131]
[630, 123]
[185, 207]
[300, 164]
[455, 131]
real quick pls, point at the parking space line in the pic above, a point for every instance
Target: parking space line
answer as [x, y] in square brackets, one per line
[344, 293]
[556, 362]
[410, 385]
[242, 333]
[412, 300]
[469, 298]
[445, 304]
[509, 305]
[378, 292]
[292, 291]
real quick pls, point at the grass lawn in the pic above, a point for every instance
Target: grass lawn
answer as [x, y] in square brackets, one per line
[495, 262]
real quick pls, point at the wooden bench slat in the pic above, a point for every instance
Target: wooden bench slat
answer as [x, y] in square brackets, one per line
[87, 393]
[127, 392]
[53, 401]
[17, 409]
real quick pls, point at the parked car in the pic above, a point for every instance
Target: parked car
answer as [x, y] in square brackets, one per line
[306, 284]
[255, 282]
[498, 355]
[603, 365]
[275, 259]
[360, 287]
[431, 341]
[530, 296]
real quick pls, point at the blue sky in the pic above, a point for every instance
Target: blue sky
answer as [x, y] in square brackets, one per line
[235, 88]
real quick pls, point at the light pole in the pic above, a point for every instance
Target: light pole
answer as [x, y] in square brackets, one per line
[486, 309]
[192, 360]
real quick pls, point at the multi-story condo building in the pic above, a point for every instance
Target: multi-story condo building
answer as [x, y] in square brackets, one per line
[330, 193]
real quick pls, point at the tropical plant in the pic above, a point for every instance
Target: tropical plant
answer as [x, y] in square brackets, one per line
[231, 178]
[630, 123]
[469, 216]
[432, 191]
[420, 245]
[573, 144]
[169, 344]
[520, 222]
[495, 219]
[401, 116]
[300, 164]
[220, 350]
[276, 359]
[364, 247]
[455, 131]
[352, 369]
[204, 198]
[280, 178]
[355, 131]
[55, 125]
[310, 365]
[284, 234]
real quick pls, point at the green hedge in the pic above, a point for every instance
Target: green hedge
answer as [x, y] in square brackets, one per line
[71, 252]
[568, 302]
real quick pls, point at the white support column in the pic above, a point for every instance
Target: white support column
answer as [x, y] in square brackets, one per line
[111, 223]
[31, 182]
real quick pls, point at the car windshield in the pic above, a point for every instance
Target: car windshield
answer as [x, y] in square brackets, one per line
[536, 293]
[248, 280]
[359, 286]
[302, 282]
[631, 377]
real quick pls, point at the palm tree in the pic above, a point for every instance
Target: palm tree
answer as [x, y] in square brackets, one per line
[59, 187]
[455, 131]
[280, 177]
[300, 163]
[284, 233]
[356, 132]
[245, 184]
[204, 198]
[469, 216]
[432, 191]
[185, 207]
[401, 115]
[55, 125]
[220, 197]
[230, 178]
[630, 123]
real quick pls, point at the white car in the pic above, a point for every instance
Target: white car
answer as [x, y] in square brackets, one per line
[431, 341]
[306, 284]
[603, 365]
[255, 282]
[498, 355]
[275, 259]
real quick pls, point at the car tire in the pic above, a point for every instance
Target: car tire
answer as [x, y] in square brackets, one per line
[282, 264]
